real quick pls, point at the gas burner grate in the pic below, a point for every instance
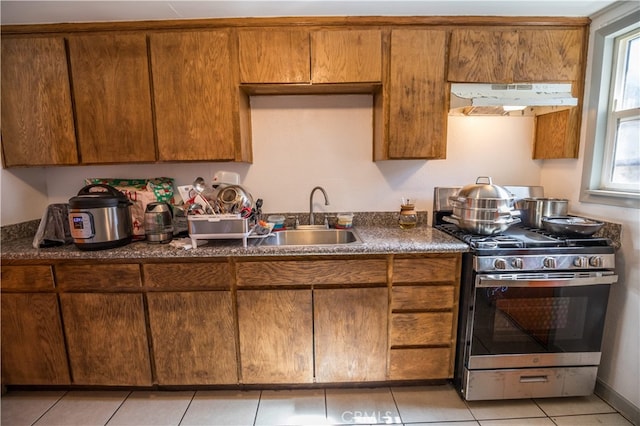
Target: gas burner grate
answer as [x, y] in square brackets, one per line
[521, 237]
[481, 241]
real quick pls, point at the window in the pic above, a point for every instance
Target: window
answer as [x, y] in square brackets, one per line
[612, 164]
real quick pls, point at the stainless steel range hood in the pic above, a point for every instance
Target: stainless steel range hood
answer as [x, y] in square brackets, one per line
[510, 99]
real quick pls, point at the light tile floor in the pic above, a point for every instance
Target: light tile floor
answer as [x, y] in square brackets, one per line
[414, 406]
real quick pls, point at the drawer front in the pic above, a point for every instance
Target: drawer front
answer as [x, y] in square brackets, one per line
[440, 269]
[98, 277]
[426, 328]
[303, 272]
[414, 364]
[27, 278]
[187, 276]
[424, 298]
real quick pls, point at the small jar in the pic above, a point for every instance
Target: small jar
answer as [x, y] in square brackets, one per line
[408, 217]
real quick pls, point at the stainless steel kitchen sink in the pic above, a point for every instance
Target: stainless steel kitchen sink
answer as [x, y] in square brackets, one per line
[311, 237]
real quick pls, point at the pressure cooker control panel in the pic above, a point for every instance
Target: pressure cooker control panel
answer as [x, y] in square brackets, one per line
[81, 225]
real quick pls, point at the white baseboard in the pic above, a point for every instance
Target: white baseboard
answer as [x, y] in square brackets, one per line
[617, 401]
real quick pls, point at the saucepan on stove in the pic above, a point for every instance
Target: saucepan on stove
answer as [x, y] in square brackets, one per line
[483, 208]
[535, 209]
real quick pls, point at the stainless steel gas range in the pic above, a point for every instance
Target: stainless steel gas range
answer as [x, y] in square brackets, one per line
[532, 311]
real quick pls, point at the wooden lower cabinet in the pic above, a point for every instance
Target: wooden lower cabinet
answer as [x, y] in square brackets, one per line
[276, 336]
[424, 310]
[33, 351]
[350, 334]
[106, 338]
[420, 363]
[193, 335]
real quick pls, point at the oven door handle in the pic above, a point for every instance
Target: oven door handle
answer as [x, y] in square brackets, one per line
[545, 280]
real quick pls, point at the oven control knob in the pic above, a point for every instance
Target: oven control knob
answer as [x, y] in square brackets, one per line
[549, 262]
[581, 262]
[517, 263]
[595, 261]
[500, 264]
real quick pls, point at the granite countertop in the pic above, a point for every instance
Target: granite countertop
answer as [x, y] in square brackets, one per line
[376, 240]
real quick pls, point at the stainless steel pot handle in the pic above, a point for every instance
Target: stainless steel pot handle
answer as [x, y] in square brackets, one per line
[546, 280]
[488, 178]
[451, 220]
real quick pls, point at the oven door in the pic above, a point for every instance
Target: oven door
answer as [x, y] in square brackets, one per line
[537, 319]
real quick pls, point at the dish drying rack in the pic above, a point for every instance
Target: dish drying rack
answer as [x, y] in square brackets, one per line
[220, 227]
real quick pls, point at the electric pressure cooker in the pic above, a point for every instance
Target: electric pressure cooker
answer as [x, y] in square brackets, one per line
[100, 218]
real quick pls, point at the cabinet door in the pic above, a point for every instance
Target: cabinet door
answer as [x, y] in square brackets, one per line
[274, 56]
[276, 336]
[557, 135]
[33, 351]
[193, 338]
[482, 56]
[350, 331]
[37, 120]
[417, 95]
[549, 55]
[106, 338]
[110, 77]
[346, 56]
[193, 95]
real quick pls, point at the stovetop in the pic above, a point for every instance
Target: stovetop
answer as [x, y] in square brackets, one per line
[521, 237]
[522, 240]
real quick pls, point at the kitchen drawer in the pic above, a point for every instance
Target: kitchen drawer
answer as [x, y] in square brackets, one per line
[187, 276]
[422, 298]
[425, 328]
[104, 277]
[415, 364]
[27, 278]
[433, 269]
[308, 272]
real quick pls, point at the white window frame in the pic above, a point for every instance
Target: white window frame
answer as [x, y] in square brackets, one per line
[600, 136]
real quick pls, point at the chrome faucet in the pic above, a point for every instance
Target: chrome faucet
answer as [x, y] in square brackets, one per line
[326, 202]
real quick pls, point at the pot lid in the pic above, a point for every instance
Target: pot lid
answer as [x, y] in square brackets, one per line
[484, 191]
[107, 196]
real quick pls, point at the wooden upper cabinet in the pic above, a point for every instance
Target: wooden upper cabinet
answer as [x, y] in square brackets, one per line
[37, 118]
[110, 78]
[482, 55]
[274, 56]
[417, 96]
[346, 56]
[194, 94]
[549, 55]
[310, 56]
[515, 55]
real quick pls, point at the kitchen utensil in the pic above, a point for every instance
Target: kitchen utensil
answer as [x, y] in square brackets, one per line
[482, 227]
[483, 208]
[233, 199]
[534, 209]
[483, 196]
[226, 178]
[572, 226]
[200, 186]
[100, 220]
[158, 223]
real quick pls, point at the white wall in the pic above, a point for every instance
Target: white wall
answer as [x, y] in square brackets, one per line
[23, 196]
[620, 368]
[303, 141]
